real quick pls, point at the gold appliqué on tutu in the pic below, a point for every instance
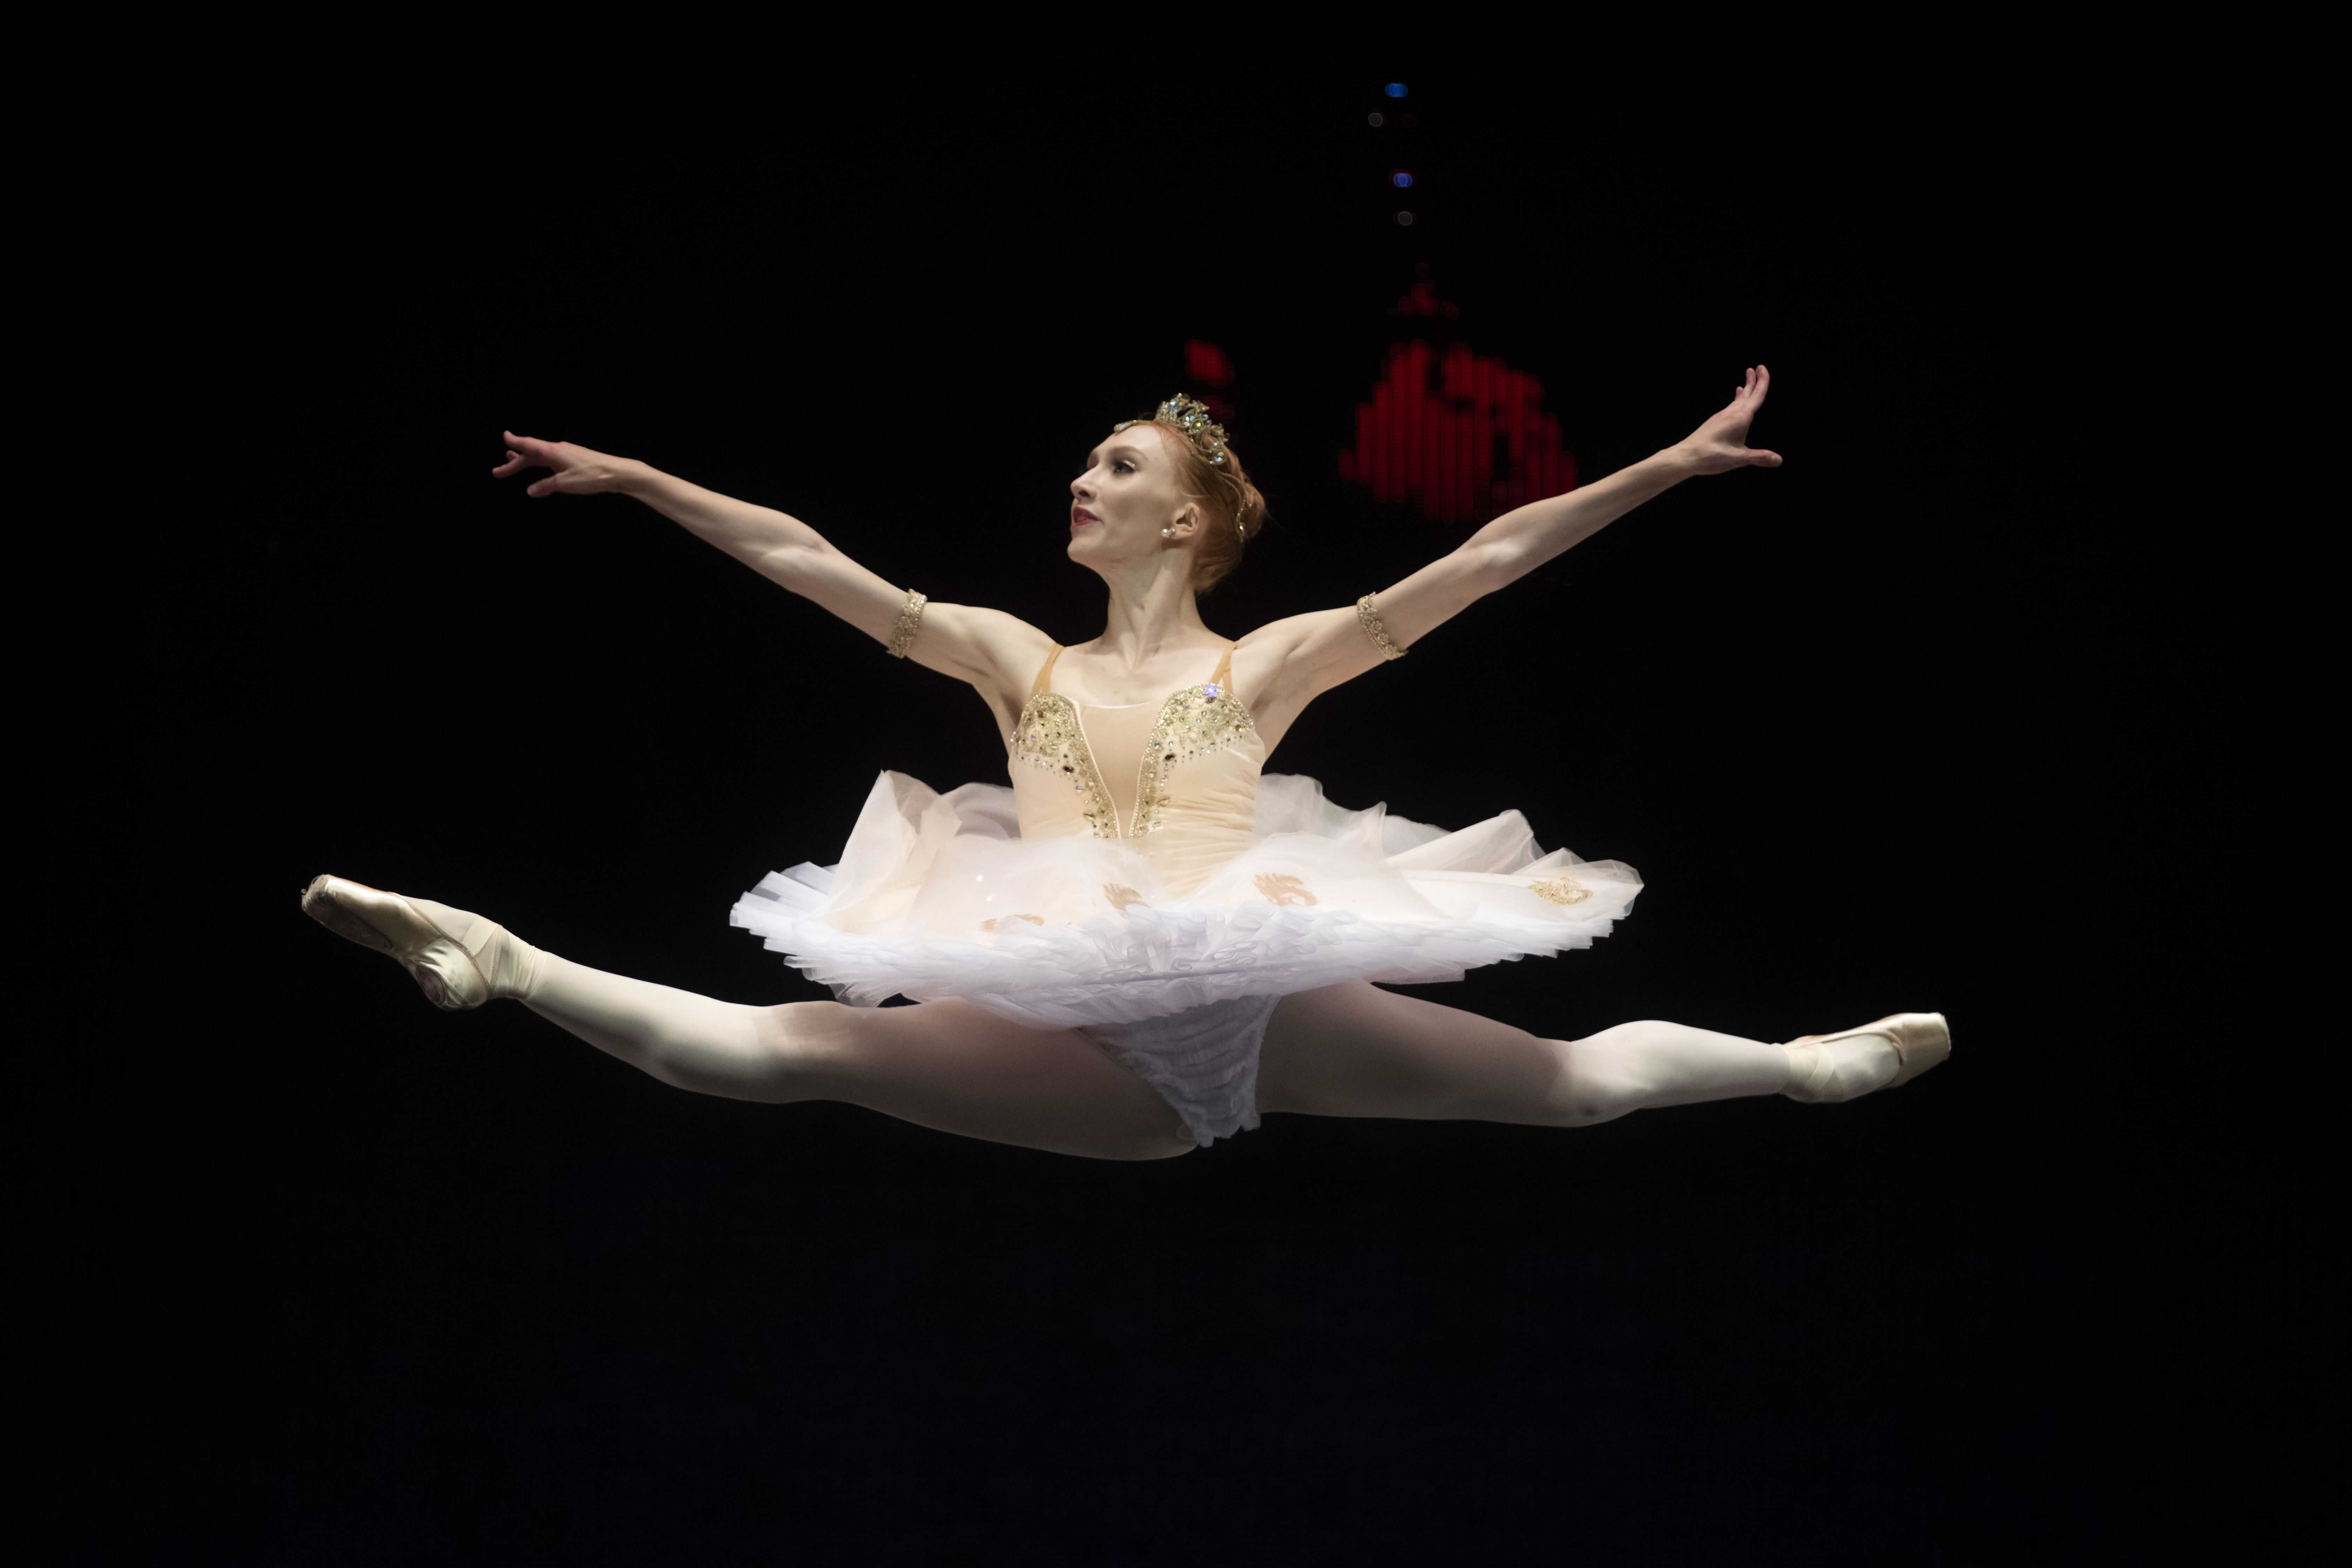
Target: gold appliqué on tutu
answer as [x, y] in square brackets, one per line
[1122, 897]
[992, 925]
[1561, 890]
[1281, 887]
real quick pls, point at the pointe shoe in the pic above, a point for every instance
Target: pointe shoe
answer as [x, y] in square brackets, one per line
[1921, 1041]
[443, 964]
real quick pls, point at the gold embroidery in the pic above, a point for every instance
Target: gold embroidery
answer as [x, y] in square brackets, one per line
[1561, 891]
[1368, 616]
[992, 925]
[1121, 899]
[1281, 887]
[1193, 723]
[1048, 737]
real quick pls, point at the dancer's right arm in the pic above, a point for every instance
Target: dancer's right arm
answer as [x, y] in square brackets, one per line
[992, 650]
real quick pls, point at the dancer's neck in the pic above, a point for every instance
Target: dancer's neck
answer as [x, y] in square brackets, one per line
[1152, 610]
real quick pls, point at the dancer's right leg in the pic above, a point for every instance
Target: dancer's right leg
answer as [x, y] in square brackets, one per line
[689, 1041]
[949, 1066]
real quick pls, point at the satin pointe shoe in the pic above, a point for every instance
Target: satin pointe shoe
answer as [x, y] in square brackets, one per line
[443, 957]
[1921, 1041]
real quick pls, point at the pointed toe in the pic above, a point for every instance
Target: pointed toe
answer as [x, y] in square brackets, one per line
[388, 923]
[1922, 1040]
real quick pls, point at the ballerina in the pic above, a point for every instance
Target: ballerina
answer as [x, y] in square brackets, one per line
[1146, 941]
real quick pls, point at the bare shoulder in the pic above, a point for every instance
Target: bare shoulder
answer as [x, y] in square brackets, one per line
[1285, 665]
[1291, 660]
[976, 644]
[1308, 655]
[997, 654]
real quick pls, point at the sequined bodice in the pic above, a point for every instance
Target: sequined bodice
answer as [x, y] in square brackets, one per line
[1195, 769]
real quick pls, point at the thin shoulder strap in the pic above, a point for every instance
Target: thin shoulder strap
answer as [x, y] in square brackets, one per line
[1045, 672]
[1223, 679]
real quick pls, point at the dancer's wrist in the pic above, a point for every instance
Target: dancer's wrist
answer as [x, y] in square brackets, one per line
[1679, 462]
[632, 477]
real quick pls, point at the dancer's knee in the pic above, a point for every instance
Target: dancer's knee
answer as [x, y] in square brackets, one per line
[772, 1053]
[800, 1047]
[1603, 1075]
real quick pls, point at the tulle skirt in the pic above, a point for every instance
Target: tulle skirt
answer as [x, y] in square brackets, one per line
[937, 896]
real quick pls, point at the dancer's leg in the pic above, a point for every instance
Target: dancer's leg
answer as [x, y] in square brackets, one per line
[949, 1066]
[693, 1042]
[1356, 1050]
[957, 1067]
[952, 1066]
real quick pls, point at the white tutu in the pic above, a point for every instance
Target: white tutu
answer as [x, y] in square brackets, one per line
[937, 896]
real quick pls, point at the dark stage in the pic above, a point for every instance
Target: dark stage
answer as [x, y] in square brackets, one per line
[1902, 724]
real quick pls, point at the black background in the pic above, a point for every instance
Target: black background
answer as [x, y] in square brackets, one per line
[1918, 721]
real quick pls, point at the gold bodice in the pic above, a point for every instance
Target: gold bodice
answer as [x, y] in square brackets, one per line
[1178, 780]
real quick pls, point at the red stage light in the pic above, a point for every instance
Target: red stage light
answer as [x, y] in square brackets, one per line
[1461, 436]
[1207, 362]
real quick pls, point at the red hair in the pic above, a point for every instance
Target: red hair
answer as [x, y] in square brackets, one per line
[1236, 511]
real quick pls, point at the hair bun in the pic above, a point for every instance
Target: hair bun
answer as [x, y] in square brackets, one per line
[1210, 470]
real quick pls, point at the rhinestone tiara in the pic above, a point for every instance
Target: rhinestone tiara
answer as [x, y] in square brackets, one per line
[1190, 416]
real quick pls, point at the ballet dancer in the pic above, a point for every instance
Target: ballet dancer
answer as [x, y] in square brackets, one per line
[1145, 941]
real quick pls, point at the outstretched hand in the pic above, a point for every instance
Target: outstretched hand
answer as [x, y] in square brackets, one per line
[1721, 444]
[578, 472]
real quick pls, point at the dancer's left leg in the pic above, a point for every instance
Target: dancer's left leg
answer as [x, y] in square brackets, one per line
[1354, 1050]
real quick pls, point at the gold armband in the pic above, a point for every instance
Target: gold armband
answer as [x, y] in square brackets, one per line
[902, 636]
[1371, 619]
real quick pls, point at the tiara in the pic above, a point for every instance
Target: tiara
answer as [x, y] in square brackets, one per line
[1190, 416]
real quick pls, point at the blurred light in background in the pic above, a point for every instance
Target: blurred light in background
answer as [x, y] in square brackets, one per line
[1208, 368]
[1400, 178]
[1207, 364]
[1406, 218]
[1396, 89]
[1461, 436]
[1378, 120]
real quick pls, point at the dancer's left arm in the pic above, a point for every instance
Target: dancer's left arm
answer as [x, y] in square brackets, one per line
[1324, 649]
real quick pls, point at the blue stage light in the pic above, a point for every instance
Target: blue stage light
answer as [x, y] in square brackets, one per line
[1396, 89]
[1400, 179]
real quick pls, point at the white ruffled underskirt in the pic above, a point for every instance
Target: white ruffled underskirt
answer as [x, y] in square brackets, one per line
[1204, 1061]
[1396, 901]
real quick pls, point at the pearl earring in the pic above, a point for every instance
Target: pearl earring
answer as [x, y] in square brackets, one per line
[1166, 531]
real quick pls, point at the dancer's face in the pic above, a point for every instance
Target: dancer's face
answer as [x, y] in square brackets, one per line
[1130, 490]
